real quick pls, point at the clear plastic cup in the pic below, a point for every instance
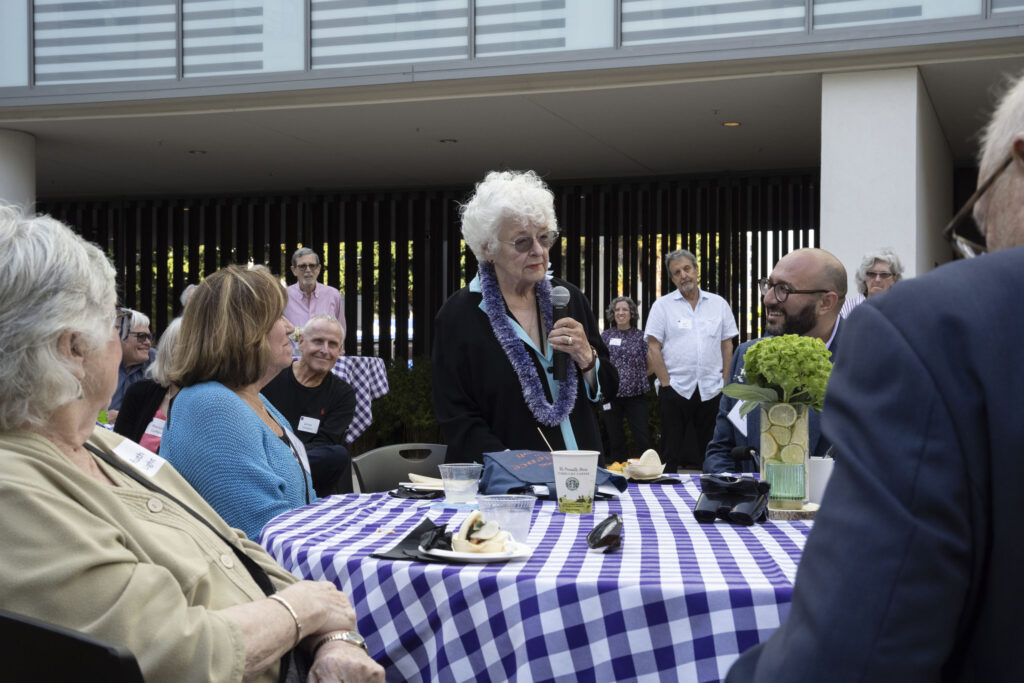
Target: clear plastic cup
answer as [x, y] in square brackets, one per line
[461, 481]
[512, 513]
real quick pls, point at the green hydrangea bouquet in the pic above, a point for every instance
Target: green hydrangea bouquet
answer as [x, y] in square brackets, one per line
[787, 369]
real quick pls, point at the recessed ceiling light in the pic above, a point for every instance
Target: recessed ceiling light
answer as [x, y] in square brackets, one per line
[447, 141]
[731, 124]
[197, 151]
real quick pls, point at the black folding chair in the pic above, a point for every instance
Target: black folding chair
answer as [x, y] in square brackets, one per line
[33, 650]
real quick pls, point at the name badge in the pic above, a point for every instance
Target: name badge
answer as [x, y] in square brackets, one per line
[138, 457]
[606, 406]
[156, 427]
[739, 422]
[685, 324]
[617, 341]
[309, 424]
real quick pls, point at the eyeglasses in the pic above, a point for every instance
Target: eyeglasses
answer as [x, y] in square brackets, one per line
[307, 266]
[122, 316]
[782, 290]
[142, 336]
[964, 247]
[525, 243]
[877, 275]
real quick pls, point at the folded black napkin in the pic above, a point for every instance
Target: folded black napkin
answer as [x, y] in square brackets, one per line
[409, 547]
[413, 494]
[671, 481]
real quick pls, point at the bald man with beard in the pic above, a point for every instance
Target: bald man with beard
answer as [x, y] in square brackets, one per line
[912, 571]
[803, 296]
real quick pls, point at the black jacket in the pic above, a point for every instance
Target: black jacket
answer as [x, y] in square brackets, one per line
[478, 399]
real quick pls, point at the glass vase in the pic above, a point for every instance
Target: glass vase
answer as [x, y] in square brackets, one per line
[784, 454]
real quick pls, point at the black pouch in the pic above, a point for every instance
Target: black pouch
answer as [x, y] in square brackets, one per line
[738, 500]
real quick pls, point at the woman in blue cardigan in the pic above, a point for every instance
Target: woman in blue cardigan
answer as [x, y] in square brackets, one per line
[234, 447]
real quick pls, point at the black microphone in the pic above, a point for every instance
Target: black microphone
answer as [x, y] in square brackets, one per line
[740, 454]
[559, 310]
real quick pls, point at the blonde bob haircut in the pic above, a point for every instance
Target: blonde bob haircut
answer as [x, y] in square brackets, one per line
[517, 196]
[224, 328]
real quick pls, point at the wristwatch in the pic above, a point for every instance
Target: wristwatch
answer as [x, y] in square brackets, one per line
[350, 637]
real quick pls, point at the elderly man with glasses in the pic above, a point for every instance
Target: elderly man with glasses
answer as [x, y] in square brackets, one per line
[308, 297]
[912, 569]
[137, 354]
[689, 335]
[803, 295]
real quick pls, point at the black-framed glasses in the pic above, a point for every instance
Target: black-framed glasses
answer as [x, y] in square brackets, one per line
[525, 243]
[877, 275]
[142, 336]
[953, 232]
[782, 290]
[307, 266]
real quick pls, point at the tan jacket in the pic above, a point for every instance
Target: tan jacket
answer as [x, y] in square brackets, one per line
[123, 563]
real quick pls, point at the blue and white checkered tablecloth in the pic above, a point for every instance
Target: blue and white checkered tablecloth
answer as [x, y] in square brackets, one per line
[680, 601]
[368, 376]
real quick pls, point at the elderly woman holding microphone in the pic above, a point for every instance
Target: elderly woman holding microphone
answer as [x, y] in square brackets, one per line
[497, 340]
[102, 536]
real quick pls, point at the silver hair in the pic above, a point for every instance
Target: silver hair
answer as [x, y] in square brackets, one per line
[885, 254]
[51, 282]
[1007, 120]
[519, 196]
[304, 251]
[678, 254]
[321, 317]
[161, 365]
[634, 313]
[132, 320]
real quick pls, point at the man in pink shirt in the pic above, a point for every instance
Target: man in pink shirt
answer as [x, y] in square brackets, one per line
[308, 297]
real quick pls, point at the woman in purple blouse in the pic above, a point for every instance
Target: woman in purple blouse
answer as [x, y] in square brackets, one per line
[628, 350]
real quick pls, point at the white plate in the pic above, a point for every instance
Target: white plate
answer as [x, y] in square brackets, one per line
[633, 475]
[521, 551]
[425, 487]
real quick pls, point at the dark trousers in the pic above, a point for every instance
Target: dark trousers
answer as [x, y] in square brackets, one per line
[634, 409]
[676, 414]
[331, 469]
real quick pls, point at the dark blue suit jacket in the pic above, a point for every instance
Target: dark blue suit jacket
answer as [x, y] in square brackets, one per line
[913, 569]
[726, 437]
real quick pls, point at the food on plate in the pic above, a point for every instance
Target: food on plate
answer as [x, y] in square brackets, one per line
[420, 479]
[477, 535]
[616, 467]
[647, 466]
[649, 458]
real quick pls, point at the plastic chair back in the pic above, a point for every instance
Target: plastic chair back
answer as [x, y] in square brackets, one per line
[382, 468]
[33, 650]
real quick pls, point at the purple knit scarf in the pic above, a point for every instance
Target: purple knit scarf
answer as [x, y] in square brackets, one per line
[517, 353]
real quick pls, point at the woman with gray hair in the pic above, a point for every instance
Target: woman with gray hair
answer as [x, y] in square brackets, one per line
[147, 403]
[102, 536]
[496, 340]
[628, 349]
[879, 270]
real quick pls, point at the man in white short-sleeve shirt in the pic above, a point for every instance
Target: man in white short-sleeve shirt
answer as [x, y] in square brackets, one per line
[689, 334]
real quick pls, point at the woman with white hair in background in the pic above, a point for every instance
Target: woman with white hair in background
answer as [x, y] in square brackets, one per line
[147, 403]
[101, 536]
[495, 339]
[879, 270]
[137, 354]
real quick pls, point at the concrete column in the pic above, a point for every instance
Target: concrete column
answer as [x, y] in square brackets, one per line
[886, 170]
[18, 168]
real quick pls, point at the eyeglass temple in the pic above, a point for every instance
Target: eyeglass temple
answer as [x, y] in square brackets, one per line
[973, 199]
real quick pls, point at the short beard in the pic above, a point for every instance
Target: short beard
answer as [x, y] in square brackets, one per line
[801, 323]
